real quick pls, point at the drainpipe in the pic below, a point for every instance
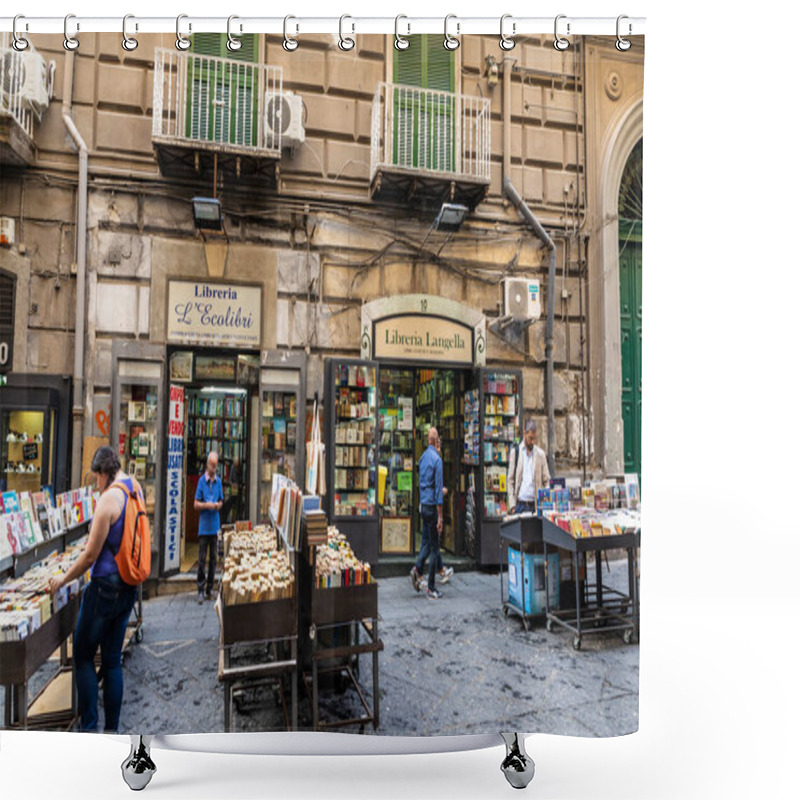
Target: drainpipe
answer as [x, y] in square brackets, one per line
[533, 223]
[80, 289]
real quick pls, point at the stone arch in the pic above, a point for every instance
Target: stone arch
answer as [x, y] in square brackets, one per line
[621, 137]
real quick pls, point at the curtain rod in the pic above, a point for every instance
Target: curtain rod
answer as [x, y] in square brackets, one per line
[350, 25]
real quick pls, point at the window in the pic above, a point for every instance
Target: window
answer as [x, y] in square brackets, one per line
[222, 87]
[7, 297]
[424, 113]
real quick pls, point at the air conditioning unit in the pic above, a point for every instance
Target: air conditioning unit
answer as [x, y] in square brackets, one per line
[521, 299]
[283, 116]
[25, 74]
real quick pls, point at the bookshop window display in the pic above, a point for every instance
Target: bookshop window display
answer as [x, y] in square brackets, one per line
[377, 433]
[34, 429]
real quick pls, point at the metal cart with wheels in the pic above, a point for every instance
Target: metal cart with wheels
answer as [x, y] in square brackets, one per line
[602, 609]
[524, 534]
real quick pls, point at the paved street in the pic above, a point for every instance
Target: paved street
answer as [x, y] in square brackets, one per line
[450, 666]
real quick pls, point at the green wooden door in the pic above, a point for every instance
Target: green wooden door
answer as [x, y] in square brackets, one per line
[221, 101]
[424, 122]
[630, 303]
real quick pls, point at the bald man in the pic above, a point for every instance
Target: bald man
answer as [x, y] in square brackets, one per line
[431, 509]
[208, 501]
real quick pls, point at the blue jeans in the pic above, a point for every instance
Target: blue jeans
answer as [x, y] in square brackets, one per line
[105, 609]
[525, 505]
[430, 545]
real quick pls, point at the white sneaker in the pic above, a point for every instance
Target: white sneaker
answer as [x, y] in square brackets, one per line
[445, 574]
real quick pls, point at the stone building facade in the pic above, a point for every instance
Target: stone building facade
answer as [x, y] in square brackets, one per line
[315, 238]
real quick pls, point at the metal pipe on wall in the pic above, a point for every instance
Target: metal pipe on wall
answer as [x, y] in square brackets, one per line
[76, 475]
[533, 223]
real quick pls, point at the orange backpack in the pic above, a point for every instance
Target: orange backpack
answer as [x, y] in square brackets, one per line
[133, 556]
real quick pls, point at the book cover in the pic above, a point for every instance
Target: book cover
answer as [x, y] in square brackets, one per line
[12, 532]
[29, 538]
[10, 502]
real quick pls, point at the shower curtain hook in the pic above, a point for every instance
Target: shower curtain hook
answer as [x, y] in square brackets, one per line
[70, 42]
[346, 42]
[506, 42]
[182, 43]
[561, 43]
[234, 44]
[450, 42]
[19, 43]
[400, 42]
[289, 44]
[128, 42]
[623, 44]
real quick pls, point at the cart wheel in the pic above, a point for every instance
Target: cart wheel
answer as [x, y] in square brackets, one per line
[576, 642]
[549, 625]
[139, 635]
[627, 636]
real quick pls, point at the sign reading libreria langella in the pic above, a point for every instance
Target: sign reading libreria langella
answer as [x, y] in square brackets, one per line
[214, 313]
[417, 337]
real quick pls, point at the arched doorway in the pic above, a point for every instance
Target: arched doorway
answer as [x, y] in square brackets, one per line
[630, 306]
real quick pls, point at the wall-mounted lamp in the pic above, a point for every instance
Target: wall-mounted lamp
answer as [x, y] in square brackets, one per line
[450, 217]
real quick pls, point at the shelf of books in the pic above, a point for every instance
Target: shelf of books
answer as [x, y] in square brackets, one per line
[471, 461]
[216, 422]
[278, 441]
[501, 430]
[33, 524]
[354, 413]
[138, 439]
[396, 456]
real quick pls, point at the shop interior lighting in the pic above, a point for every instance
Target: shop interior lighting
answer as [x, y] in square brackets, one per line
[207, 213]
[450, 217]
[224, 389]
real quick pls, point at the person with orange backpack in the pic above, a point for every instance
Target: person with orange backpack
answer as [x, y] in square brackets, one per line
[118, 551]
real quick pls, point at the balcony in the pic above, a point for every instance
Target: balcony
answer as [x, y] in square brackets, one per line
[214, 114]
[24, 97]
[429, 147]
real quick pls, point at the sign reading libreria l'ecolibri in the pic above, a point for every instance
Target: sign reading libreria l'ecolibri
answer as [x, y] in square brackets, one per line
[417, 337]
[172, 549]
[214, 313]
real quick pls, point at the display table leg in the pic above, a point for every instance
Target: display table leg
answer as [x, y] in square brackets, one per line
[376, 713]
[517, 766]
[138, 768]
[314, 686]
[598, 571]
[294, 684]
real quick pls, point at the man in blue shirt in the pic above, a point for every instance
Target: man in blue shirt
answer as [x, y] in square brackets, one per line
[208, 501]
[431, 509]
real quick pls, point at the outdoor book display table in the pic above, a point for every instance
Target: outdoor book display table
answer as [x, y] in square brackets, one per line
[20, 660]
[268, 627]
[343, 612]
[602, 609]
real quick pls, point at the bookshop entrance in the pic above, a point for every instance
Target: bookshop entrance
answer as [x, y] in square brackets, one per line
[220, 391]
[410, 402]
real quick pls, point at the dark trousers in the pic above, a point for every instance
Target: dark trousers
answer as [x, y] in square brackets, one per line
[430, 545]
[106, 607]
[524, 505]
[208, 544]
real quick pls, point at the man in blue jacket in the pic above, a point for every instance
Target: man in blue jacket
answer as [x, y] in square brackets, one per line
[431, 509]
[208, 501]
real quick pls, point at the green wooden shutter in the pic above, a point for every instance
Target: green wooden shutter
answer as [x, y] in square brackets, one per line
[630, 297]
[424, 131]
[221, 102]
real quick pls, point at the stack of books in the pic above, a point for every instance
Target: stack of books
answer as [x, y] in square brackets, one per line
[316, 528]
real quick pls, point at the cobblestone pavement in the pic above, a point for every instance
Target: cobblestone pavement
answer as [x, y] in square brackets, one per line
[450, 666]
